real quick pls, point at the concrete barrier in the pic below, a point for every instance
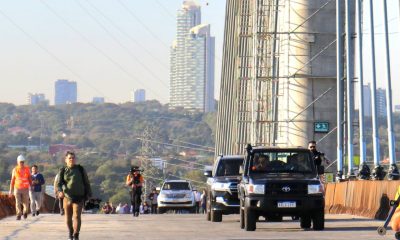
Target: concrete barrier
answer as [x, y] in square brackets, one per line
[362, 198]
[7, 205]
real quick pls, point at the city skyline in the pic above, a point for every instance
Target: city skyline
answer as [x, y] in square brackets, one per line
[110, 47]
[105, 47]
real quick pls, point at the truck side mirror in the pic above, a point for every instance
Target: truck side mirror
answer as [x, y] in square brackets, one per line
[208, 173]
[320, 170]
[241, 170]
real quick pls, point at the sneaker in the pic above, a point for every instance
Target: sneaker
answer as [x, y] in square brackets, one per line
[62, 213]
[37, 213]
[33, 214]
[18, 217]
[25, 215]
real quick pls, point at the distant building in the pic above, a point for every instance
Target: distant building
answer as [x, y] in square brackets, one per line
[397, 108]
[380, 101]
[98, 100]
[192, 62]
[158, 163]
[65, 92]
[37, 98]
[139, 95]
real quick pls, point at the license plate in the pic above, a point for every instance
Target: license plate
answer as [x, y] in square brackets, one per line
[287, 204]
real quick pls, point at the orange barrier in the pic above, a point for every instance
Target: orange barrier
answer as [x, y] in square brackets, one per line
[362, 198]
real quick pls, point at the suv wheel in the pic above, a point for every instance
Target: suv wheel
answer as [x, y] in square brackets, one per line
[305, 221]
[319, 220]
[216, 216]
[249, 219]
[241, 215]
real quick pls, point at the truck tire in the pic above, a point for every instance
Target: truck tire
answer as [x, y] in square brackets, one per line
[318, 220]
[305, 222]
[216, 216]
[249, 220]
[241, 212]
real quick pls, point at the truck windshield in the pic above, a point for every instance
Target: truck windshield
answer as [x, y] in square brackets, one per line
[229, 167]
[281, 162]
[176, 186]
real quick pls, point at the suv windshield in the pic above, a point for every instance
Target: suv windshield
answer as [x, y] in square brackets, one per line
[176, 186]
[280, 161]
[229, 167]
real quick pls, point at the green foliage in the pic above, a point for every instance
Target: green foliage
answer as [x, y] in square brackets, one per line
[106, 136]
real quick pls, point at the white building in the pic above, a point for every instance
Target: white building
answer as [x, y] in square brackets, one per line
[192, 62]
[36, 98]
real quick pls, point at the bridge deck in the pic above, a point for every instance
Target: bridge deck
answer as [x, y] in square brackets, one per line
[184, 226]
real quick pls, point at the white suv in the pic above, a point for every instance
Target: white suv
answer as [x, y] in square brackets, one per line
[176, 195]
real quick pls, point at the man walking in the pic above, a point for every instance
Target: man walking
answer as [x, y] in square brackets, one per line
[135, 181]
[36, 194]
[74, 188]
[153, 196]
[20, 184]
[316, 155]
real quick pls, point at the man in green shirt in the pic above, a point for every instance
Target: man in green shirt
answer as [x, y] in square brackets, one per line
[74, 188]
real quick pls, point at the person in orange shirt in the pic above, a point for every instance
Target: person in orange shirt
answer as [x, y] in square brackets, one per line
[135, 181]
[21, 182]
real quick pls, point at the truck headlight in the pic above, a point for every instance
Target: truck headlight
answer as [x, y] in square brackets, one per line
[256, 188]
[220, 186]
[315, 188]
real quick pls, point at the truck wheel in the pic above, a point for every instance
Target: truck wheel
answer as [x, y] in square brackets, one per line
[249, 220]
[216, 216]
[305, 222]
[241, 215]
[319, 220]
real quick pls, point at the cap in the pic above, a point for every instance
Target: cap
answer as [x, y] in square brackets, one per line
[134, 168]
[20, 158]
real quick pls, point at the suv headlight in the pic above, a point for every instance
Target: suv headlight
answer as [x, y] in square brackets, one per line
[255, 188]
[315, 188]
[220, 186]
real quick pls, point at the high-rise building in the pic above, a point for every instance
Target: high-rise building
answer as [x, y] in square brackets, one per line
[138, 95]
[380, 101]
[367, 100]
[192, 62]
[65, 92]
[37, 98]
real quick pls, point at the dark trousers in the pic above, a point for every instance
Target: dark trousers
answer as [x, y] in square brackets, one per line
[154, 208]
[136, 199]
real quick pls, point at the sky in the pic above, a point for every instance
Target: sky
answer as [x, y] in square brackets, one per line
[108, 47]
[112, 47]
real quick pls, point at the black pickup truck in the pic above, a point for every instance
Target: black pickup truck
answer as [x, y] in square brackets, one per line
[222, 198]
[277, 182]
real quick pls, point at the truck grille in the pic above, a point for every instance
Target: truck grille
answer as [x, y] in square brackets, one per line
[286, 188]
[174, 195]
[233, 187]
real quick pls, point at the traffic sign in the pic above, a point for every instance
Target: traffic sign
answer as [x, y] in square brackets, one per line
[321, 127]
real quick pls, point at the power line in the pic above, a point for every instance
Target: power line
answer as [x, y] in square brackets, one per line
[178, 165]
[50, 53]
[165, 66]
[119, 43]
[203, 165]
[95, 47]
[141, 23]
[165, 9]
[174, 145]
